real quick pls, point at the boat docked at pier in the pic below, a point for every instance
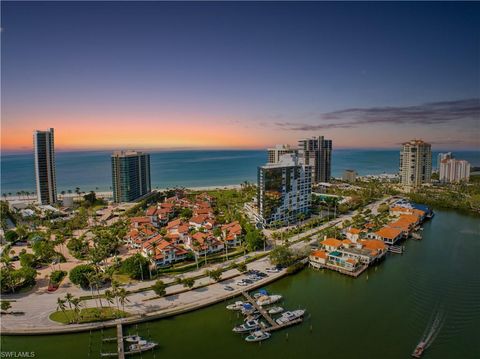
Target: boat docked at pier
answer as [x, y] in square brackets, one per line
[140, 346]
[275, 310]
[247, 326]
[290, 316]
[238, 305]
[268, 299]
[257, 336]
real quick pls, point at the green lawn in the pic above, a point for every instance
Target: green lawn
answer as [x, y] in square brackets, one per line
[88, 315]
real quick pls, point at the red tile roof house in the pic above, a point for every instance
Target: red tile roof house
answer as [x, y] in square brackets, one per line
[389, 235]
[331, 244]
[353, 234]
[152, 213]
[204, 243]
[162, 252]
[232, 234]
[136, 236]
[198, 221]
[135, 222]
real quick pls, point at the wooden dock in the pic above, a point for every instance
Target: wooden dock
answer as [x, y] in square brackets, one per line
[120, 349]
[354, 274]
[273, 325]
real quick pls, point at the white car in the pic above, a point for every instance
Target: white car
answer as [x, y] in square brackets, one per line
[272, 270]
[241, 283]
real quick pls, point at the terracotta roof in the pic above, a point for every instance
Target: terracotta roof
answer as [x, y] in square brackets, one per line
[140, 220]
[319, 254]
[354, 231]
[198, 219]
[183, 228]
[332, 242]
[389, 232]
[151, 211]
[174, 223]
[347, 242]
[373, 244]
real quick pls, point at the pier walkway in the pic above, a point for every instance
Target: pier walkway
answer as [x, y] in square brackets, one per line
[273, 325]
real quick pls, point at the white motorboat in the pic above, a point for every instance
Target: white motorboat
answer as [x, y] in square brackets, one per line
[238, 305]
[275, 310]
[248, 309]
[258, 336]
[269, 299]
[141, 346]
[252, 316]
[260, 293]
[290, 316]
[132, 339]
[247, 326]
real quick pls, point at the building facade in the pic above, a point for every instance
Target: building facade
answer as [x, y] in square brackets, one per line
[415, 163]
[452, 170]
[349, 175]
[284, 191]
[317, 152]
[130, 175]
[45, 175]
[276, 152]
[443, 156]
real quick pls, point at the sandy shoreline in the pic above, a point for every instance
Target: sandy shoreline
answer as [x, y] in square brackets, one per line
[110, 194]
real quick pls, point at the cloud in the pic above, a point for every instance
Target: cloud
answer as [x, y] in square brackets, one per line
[425, 114]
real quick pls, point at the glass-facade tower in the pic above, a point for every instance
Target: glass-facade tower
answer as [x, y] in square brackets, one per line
[130, 175]
[43, 143]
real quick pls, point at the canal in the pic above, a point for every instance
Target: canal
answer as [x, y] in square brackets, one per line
[381, 314]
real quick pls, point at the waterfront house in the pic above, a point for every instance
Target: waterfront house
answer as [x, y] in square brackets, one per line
[389, 234]
[339, 260]
[353, 234]
[331, 244]
[318, 258]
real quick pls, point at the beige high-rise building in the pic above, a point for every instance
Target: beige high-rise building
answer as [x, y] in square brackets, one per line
[415, 163]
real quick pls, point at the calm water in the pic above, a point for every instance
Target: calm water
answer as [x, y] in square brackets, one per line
[92, 170]
[379, 315]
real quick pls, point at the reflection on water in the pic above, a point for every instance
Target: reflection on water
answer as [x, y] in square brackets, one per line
[432, 291]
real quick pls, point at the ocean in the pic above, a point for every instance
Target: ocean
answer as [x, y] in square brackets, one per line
[91, 170]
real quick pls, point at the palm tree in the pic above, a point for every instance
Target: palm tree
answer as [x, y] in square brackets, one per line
[122, 297]
[61, 306]
[76, 308]
[68, 299]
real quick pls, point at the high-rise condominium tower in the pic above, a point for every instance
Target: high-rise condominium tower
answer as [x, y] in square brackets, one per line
[415, 163]
[274, 153]
[317, 152]
[43, 142]
[284, 190]
[130, 175]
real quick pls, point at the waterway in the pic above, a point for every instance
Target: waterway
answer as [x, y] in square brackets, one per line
[381, 314]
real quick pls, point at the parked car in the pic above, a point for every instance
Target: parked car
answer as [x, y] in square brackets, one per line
[228, 288]
[272, 270]
[241, 283]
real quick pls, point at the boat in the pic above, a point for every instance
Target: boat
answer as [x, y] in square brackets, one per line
[417, 353]
[132, 338]
[252, 316]
[141, 346]
[269, 299]
[258, 336]
[260, 293]
[235, 306]
[275, 310]
[290, 316]
[248, 309]
[247, 326]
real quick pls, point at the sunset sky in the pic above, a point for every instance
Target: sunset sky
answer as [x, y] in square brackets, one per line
[240, 75]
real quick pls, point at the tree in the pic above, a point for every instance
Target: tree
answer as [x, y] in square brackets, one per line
[242, 267]
[5, 305]
[122, 297]
[27, 260]
[135, 266]
[80, 274]
[11, 236]
[188, 282]
[215, 274]
[282, 256]
[159, 288]
[61, 306]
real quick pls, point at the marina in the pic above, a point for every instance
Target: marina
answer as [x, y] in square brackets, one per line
[136, 344]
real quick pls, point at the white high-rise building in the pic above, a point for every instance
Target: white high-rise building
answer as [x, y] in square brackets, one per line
[452, 170]
[44, 146]
[274, 153]
[415, 163]
[284, 190]
[443, 156]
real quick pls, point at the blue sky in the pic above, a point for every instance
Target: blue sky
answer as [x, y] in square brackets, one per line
[240, 74]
